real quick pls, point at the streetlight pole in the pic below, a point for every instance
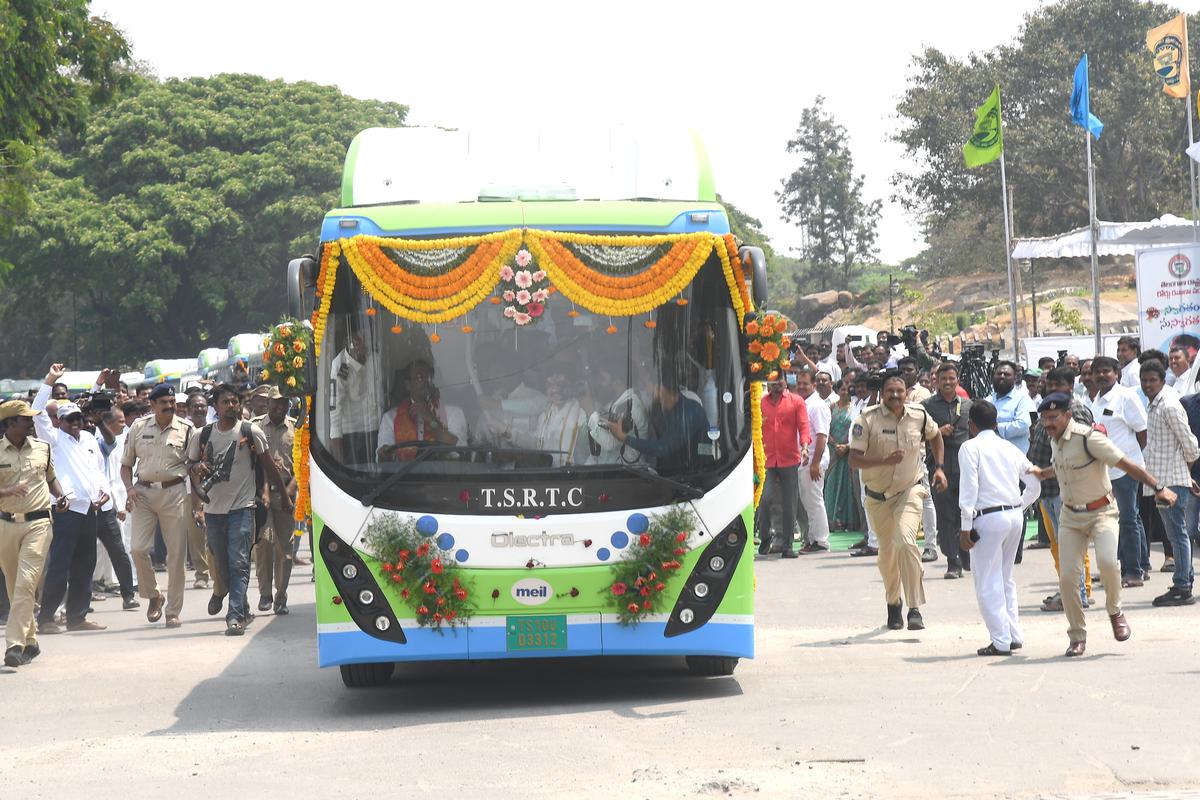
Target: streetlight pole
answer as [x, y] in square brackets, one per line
[891, 304]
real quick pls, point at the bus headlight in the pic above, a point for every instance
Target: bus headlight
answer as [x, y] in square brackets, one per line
[701, 590]
[716, 563]
[350, 572]
[366, 597]
[382, 623]
[686, 616]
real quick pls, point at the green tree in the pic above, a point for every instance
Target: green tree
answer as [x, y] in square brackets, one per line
[55, 63]
[1141, 168]
[172, 217]
[824, 197]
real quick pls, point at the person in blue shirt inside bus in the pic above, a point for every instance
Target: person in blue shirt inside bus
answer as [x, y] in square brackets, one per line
[1013, 407]
[681, 430]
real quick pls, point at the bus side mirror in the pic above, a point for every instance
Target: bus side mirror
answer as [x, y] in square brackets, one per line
[301, 275]
[753, 258]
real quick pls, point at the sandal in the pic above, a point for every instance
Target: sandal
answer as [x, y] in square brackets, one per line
[991, 650]
[1052, 603]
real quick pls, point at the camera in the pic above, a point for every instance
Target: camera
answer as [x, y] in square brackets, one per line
[99, 401]
[1062, 357]
[608, 415]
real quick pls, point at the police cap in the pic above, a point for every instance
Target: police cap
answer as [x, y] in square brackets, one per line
[162, 390]
[1055, 402]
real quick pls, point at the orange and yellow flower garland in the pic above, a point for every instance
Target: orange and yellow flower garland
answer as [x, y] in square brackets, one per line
[760, 454]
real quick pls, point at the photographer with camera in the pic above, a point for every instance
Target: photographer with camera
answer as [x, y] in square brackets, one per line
[226, 459]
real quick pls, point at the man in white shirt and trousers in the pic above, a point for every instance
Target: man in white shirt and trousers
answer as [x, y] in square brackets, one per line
[992, 506]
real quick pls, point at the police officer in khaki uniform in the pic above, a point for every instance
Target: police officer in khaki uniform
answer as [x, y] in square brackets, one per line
[27, 483]
[887, 444]
[273, 552]
[157, 444]
[1080, 458]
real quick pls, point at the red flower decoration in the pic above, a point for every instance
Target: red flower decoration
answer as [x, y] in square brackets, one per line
[681, 536]
[495, 594]
[450, 614]
[436, 567]
[423, 550]
[464, 496]
[441, 601]
[387, 567]
[429, 588]
[535, 309]
[437, 617]
[646, 606]
[645, 591]
[679, 551]
[658, 587]
[604, 497]
[337, 601]
[404, 554]
[405, 593]
[397, 577]
[633, 608]
[422, 610]
[644, 540]
[587, 542]
[461, 594]
[619, 588]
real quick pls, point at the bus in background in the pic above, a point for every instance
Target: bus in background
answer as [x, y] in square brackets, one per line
[210, 360]
[535, 446]
[170, 370]
[248, 349]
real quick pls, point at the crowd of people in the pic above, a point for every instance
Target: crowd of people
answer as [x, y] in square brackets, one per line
[99, 496]
[884, 437]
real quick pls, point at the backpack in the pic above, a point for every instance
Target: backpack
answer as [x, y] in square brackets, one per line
[260, 509]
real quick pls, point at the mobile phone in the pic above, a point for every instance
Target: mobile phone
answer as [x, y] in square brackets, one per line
[974, 535]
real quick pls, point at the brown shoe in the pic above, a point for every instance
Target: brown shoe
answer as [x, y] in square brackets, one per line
[154, 612]
[1075, 650]
[1121, 630]
[86, 625]
[173, 622]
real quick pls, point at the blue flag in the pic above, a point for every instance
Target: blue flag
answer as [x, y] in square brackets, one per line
[1081, 113]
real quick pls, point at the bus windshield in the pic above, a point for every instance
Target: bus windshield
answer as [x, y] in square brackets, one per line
[480, 400]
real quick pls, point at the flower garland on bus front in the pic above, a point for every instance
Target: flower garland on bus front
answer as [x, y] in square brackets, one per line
[414, 565]
[649, 563]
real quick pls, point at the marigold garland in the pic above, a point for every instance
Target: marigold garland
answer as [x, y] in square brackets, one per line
[424, 575]
[648, 565]
[760, 454]
[303, 507]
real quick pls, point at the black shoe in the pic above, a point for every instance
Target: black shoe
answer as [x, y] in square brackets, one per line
[214, 604]
[1015, 645]
[953, 572]
[264, 603]
[15, 656]
[894, 621]
[865, 552]
[130, 603]
[281, 609]
[915, 623]
[765, 547]
[992, 650]
[1175, 597]
[789, 553]
[929, 555]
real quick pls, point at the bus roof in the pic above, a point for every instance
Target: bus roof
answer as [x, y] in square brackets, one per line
[436, 165]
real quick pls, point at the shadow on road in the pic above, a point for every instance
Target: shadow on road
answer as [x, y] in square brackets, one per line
[274, 685]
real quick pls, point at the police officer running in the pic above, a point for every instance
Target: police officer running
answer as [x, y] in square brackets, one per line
[992, 508]
[1080, 458]
[887, 445]
[27, 482]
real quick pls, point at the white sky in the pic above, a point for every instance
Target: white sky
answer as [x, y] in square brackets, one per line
[739, 72]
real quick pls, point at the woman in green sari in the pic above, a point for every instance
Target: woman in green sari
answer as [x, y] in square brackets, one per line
[840, 503]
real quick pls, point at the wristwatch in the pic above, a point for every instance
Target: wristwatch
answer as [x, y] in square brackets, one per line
[1158, 487]
[939, 466]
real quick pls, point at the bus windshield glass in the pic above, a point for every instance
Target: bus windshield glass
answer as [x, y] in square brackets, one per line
[572, 392]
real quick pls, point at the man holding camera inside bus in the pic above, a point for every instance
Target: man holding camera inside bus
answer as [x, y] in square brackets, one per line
[682, 430]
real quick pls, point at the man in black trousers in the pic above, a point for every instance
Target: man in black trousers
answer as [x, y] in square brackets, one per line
[949, 411]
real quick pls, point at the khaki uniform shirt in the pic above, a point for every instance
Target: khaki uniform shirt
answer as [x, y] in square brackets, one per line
[279, 445]
[30, 466]
[878, 432]
[160, 453]
[1083, 474]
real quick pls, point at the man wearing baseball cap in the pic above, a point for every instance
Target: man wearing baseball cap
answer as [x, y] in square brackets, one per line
[27, 483]
[80, 467]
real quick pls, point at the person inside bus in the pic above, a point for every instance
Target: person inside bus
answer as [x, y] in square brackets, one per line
[355, 405]
[681, 431]
[628, 403]
[510, 406]
[559, 429]
[418, 416]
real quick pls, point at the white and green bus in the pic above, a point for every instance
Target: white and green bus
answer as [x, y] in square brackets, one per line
[529, 384]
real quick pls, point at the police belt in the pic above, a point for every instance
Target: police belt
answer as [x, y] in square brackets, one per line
[28, 517]
[994, 509]
[1095, 505]
[883, 497]
[162, 484]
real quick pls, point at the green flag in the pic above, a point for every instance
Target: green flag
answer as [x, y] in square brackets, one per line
[987, 142]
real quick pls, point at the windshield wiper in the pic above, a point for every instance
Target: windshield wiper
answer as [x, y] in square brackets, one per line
[391, 480]
[688, 491]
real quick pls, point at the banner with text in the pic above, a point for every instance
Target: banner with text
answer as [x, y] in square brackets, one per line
[1168, 291]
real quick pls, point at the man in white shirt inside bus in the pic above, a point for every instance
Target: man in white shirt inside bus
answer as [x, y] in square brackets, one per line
[992, 507]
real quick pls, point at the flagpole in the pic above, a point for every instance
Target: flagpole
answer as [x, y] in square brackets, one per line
[1012, 286]
[1092, 224]
[1192, 168]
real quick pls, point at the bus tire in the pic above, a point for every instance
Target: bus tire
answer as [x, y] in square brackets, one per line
[711, 666]
[357, 676]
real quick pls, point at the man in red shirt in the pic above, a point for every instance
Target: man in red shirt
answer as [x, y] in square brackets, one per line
[785, 434]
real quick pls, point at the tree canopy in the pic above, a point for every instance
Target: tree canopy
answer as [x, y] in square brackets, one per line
[55, 62]
[1141, 168]
[171, 217]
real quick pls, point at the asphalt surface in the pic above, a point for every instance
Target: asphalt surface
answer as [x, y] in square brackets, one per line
[833, 706]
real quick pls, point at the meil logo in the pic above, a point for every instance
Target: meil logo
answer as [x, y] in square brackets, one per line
[531, 591]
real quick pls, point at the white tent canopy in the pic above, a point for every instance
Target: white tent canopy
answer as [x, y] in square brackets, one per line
[1115, 239]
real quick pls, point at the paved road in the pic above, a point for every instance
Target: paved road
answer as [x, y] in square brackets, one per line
[834, 706]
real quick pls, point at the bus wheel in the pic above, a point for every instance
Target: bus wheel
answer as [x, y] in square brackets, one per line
[709, 666]
[360, 675]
